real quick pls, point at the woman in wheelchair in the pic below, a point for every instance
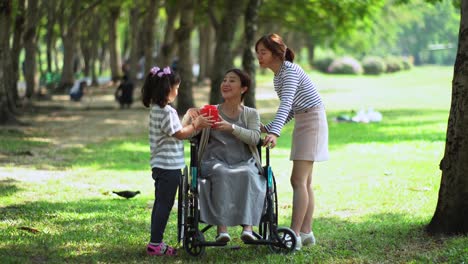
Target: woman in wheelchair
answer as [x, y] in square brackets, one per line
[232, 188]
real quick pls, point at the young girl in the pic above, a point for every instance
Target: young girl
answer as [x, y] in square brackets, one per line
[167, 150]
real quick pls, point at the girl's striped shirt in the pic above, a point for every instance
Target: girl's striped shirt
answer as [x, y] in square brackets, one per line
[296, 92]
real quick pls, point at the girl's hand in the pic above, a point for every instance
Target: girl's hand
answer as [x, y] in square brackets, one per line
[203, 121]
[270, 141]
[193, 113]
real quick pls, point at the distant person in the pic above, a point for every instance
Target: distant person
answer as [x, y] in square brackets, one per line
[77, 90]
[299, 99]
[167, 149]
[124, 93]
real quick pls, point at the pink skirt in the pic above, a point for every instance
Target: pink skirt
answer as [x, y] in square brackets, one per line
[310, 135]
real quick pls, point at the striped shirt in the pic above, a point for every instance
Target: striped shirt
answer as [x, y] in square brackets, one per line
[167, 152]
[296, 92]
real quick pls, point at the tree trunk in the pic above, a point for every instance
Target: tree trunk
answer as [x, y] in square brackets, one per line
[149, 32]
[223, 58]
[114, 49]
[50, 36]
[205, 54]
[169, 46]
[134, 52]
[184, 66]
[30, 46]
[451, 215]
[6, 113]
[309, 41]
[16, 49]
[70, 28]
[248, 57]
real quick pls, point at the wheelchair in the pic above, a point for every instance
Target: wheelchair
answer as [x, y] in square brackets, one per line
[189, 226]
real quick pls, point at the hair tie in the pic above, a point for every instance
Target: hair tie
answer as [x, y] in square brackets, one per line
[154, 70]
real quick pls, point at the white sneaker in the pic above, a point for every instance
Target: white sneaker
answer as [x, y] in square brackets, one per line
[307, 238]
[298, 243]
[223, 237]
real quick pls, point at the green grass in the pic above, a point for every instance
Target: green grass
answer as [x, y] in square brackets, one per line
[374, 196]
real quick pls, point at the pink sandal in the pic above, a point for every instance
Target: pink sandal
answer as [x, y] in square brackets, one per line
[160, 250]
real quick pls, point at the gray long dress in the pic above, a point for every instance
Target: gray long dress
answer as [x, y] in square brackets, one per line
[232, 191]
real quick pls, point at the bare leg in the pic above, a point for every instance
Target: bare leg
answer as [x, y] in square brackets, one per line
[222, 229]
[299, 178]
[308, 218]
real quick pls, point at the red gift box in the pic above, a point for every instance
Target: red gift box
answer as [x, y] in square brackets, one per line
[211, 110]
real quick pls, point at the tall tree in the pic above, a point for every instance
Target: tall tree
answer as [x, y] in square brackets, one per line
[114, 46]
[248, 58]
[169, 46]
[6, 102]
[149, 28]
[30, 46]
[184, 66]
[451, 215]
[223, 57]
[16, 48]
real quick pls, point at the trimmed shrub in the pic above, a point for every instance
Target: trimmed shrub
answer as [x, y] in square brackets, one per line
[394, 64]
[407, 63]
[323, 63]
[345, 65]
[373, 65]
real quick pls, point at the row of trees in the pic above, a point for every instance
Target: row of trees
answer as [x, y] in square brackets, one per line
[90, 29]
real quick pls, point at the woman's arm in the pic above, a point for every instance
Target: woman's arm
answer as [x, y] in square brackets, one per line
[251, 134]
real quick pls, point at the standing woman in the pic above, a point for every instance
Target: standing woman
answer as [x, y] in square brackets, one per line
[299, 99]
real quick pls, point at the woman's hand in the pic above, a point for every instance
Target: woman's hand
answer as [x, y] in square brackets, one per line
[262, 128]
[270, 141]
[223, 125]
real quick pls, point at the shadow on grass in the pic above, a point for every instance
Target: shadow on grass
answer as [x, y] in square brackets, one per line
[8, 187]
[116, 230]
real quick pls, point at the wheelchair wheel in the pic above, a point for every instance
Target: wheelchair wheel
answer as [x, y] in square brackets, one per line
[181, 208]
[286, 243]
[191, 241]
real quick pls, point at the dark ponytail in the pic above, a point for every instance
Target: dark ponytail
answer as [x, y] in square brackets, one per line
[289, 56]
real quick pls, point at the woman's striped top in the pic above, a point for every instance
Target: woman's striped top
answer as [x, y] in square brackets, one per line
[296, 92]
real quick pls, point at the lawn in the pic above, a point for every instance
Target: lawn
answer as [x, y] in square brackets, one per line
[374, 196]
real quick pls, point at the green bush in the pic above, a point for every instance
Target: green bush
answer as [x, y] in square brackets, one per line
[407, 63]
[345, 65]
[323, 63]
[394, 64]
[374, 65]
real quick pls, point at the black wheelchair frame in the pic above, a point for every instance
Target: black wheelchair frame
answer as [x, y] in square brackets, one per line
[278, 239]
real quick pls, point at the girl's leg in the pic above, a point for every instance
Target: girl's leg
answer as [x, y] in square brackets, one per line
[300, 174]
[308, 219]
[165, 184]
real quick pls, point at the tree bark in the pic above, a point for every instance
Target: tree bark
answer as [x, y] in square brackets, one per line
[223, 58]
[6, 113]
[184, 66]
[451, 215]
[149, 32]
[30, 46]
[16, 49]
[69, 30]
[169, 46]
[133, 68]
[114, 49]
[248, 57]
[205, 54]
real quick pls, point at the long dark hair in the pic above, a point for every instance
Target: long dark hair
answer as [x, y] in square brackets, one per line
[274, 43]
[244, 78]
[157, 86]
